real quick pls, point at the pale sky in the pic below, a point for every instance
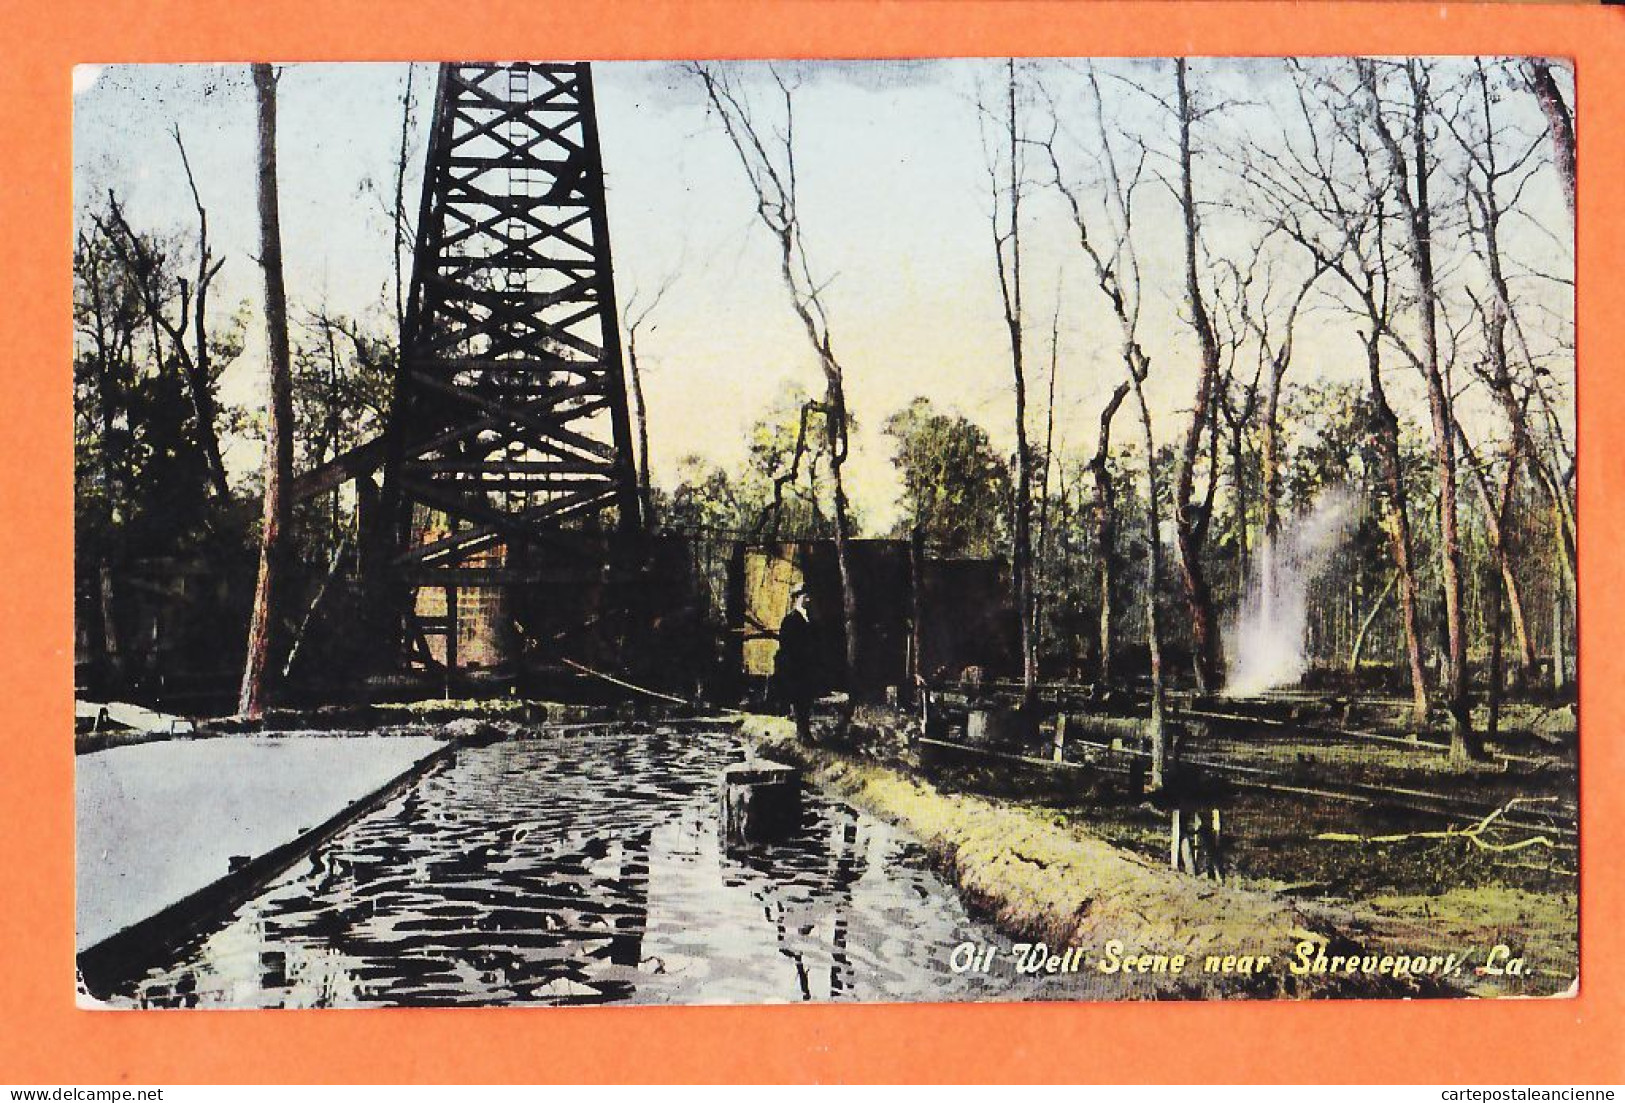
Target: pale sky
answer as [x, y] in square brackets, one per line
[895, 200]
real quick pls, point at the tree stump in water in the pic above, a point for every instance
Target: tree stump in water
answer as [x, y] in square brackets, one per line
[761, 800]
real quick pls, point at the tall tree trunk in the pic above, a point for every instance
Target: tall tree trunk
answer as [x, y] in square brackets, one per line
[1191, 523]
[773, 180]
[1496, 507]
[1418, 220]
[1398, 523]
[1516, 615]
[1118, 287]
[399, 213]
[1104, 515]
[1493, 615]
[1043, 554]
[1497, 375]
[263, 630]
[916, 620]
[843, 553]
[1153, 570]
[1358, 647]
[197, 367]
[1270, 461]
[1270, 457]
[1559, 120]
[203, 411]
[1560, 634]
[1279, 360]
[1238, 479]
[641, 412]
[835, 433]
[1021, 558]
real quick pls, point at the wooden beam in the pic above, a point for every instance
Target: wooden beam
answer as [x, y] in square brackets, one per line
[363, 459]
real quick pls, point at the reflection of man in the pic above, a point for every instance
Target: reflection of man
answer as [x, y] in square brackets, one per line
[795, 666]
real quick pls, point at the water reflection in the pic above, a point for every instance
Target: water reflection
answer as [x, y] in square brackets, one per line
[566, 870]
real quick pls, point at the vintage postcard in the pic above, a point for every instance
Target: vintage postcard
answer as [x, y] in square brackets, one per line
[700, 532]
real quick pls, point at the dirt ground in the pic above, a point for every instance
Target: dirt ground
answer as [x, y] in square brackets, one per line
[1041, 873]
[1423, 894]
[1389, 879]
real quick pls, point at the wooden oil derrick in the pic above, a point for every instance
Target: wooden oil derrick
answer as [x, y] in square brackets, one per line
[508, 459]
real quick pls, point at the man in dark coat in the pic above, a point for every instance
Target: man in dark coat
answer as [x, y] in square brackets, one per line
[795, 667]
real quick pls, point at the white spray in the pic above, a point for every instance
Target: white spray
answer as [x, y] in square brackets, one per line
[1267, 647]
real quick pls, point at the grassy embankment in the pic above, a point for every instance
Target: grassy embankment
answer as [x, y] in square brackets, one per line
[1038, 876]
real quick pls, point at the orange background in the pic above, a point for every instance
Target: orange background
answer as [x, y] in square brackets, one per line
[45, 1040]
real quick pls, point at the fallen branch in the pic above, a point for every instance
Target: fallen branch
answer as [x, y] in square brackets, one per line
[1473, 833]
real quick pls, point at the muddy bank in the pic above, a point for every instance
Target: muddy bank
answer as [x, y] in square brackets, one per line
[1038, 877]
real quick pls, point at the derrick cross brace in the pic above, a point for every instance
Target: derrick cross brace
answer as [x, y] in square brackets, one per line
[508, 456]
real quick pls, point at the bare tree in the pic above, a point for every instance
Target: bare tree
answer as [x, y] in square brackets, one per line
[1556, 468]
[1044, 539]
[1492, 184]
[198, 368]
[107, 312]
[263, 628]
[1005, 220]
[1396, 510]
[1274, 325]
[1191, 523]
[637, 314]
[391, 197]
[1116, 268]
[1557, 477]
[1410, 176]
[1504, 593]
[771, 173]
[1324, 191]
[400, 224]
[152, 272]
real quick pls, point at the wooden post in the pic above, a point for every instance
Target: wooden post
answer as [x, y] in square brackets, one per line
[916, 615]
[451, 637]
[1176, 835]
[1216, 850]
[1060, 737]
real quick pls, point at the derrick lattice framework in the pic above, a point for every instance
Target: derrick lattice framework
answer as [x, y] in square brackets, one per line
[510, 448]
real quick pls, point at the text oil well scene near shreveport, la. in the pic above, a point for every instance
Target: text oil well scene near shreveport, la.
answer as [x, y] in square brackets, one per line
[748, 532]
